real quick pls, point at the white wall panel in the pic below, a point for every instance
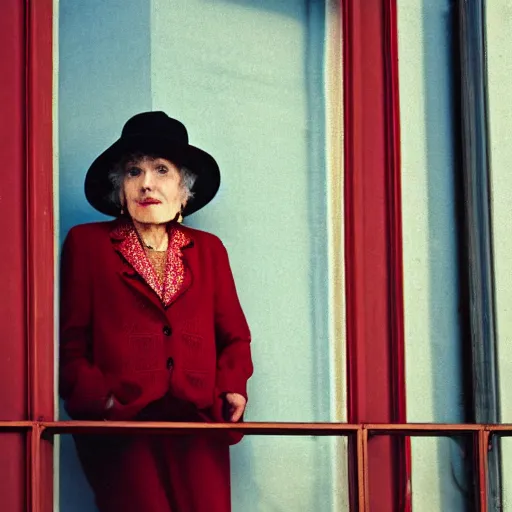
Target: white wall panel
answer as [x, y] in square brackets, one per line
[499, 68]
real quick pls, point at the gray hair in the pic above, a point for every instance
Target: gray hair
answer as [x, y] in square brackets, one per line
[117, 173]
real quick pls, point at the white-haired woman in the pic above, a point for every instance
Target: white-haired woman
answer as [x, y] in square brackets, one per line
[151, 327]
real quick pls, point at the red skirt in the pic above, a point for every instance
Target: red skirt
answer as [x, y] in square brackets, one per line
[158, 473]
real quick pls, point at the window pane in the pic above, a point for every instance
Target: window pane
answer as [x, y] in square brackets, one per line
[450, 486]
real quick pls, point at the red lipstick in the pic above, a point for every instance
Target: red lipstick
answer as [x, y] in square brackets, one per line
[148, 202]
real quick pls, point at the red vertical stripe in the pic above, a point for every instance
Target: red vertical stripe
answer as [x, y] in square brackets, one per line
[373, 240]
[13, 370]
[39, 207]
[26, 222]
[396, 291]
[40, 232]
[12, 213]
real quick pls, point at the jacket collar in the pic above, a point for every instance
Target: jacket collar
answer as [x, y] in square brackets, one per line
[177, 276]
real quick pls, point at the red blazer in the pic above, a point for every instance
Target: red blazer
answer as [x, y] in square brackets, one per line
[117, 336]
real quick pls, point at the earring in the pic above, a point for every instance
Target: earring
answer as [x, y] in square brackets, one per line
[122, 202]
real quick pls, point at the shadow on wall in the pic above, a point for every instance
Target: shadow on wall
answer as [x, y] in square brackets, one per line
[445, 320]
[317, 230]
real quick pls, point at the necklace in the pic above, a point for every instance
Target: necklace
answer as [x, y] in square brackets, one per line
[161, 247]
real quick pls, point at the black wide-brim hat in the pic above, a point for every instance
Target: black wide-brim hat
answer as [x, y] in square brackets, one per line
[155, 134]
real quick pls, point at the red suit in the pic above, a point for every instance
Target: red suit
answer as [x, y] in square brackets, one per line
[165, 352]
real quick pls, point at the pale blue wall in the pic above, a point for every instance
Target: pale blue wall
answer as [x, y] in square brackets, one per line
[104, 77]
[431, 285]
[246, 77]
[238, 74]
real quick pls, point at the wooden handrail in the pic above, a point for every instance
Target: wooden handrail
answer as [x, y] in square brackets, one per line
[262, 428]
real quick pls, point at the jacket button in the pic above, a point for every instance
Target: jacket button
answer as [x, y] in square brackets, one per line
[170, 363]
[167, 330]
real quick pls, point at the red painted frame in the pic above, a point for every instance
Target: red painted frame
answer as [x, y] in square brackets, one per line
[40, 232]
[373, 242]
[360, 434]
[39, 211]
[26, 220]
[13, 370]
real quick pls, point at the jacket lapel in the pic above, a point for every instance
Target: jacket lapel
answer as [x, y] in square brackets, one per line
[132, 251]
[177, 276]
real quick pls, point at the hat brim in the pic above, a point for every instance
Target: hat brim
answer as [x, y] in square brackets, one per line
[98, 187]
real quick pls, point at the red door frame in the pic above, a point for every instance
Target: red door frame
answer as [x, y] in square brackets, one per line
[40, 229]
[39, 206]
[372, 238]
[373, 242]
[26, 221]
[13, 370]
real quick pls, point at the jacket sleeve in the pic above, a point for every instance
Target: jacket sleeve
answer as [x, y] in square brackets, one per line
[82, 385]
[234, 363]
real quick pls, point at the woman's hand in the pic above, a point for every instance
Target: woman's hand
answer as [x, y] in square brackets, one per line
[109, 407]
[235, 406]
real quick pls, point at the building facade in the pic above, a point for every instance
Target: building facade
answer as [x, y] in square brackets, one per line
[364, 204]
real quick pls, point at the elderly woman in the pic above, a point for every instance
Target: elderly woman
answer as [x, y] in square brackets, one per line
[151, 327]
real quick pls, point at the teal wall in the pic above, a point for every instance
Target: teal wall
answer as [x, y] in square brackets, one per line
[244, 92]
[104, 77]
[431, 289]
[251, 90]
[246, 77]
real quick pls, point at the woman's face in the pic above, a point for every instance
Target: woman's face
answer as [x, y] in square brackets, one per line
[152, 191]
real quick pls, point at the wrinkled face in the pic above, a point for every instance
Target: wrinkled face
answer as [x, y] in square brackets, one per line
[152, 190]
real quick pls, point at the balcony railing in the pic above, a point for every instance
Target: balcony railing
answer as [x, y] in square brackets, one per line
[359, 434]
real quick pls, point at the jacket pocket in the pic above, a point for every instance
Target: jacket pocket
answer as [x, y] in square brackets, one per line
[193, 386]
